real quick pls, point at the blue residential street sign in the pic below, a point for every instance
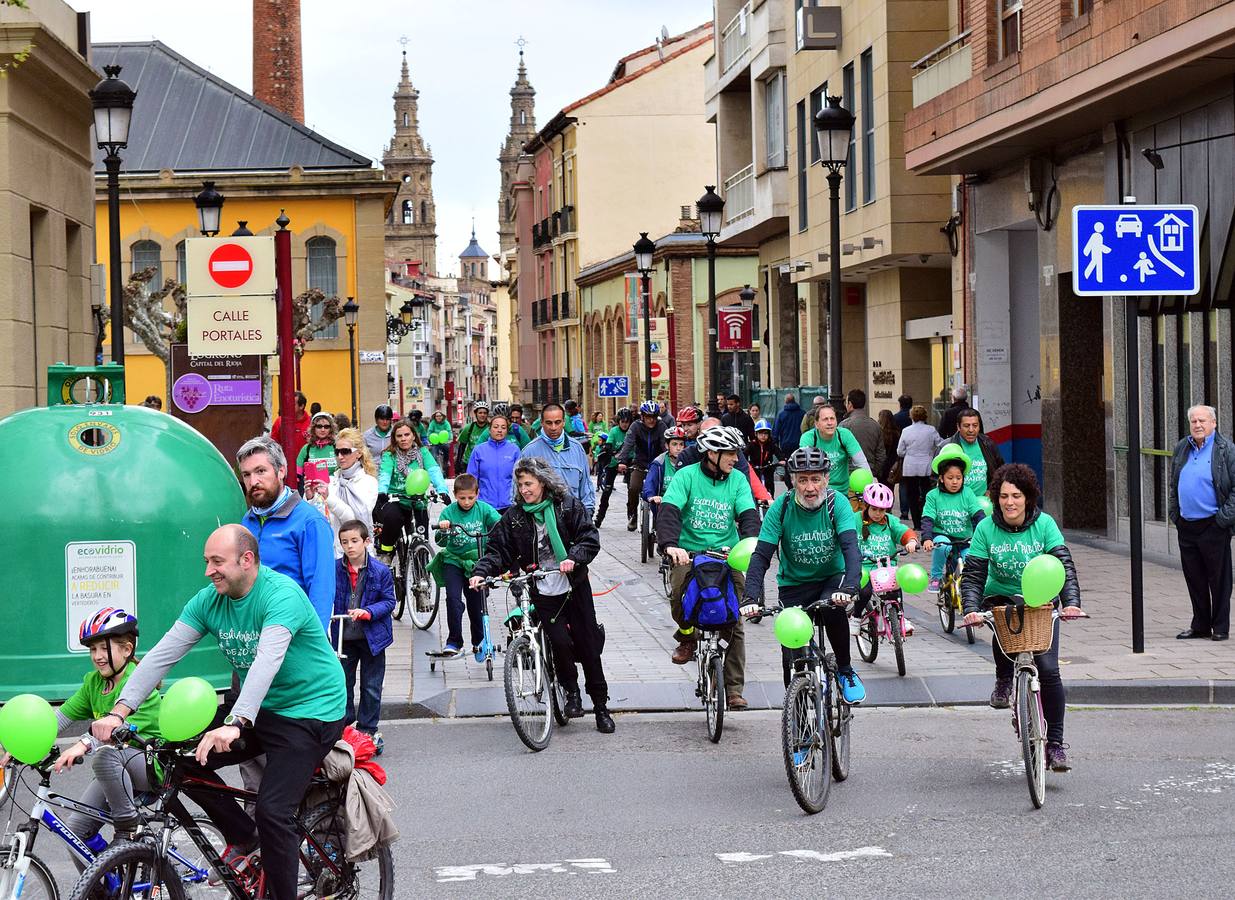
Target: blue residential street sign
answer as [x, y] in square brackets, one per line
[1136, 250]
[613, 386]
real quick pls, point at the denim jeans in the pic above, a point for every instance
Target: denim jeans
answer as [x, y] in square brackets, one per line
[939, 558]
[372, 672]
[456, 591]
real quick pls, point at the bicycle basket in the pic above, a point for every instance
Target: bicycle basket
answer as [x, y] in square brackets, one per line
[1023, 629]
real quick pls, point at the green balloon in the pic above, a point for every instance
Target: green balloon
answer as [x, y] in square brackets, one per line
[912, 578]
[866, 577]
[859, 479]
[794, 628]
[187, 709]
[1042, 580]
[28, 728]
[739, 556]
[986, 505]
[417, 482]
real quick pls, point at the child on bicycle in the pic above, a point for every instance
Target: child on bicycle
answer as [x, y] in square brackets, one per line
[763, 455]
[662, 469]
[365, 591]
[950, 510]
[462, 531]
[880, 535]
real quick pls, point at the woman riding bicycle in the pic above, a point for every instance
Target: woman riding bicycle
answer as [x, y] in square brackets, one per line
[549, 530]
[403, 456]
[1002, 544]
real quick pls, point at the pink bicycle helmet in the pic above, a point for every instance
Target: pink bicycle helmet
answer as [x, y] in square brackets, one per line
[878, 495]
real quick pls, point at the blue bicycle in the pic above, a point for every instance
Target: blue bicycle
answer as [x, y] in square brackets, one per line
[486, 649]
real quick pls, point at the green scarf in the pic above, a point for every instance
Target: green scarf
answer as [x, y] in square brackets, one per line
[544, 514]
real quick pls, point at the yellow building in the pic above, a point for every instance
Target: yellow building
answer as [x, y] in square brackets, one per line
[188, 126]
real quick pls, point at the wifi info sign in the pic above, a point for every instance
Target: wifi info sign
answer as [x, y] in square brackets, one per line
[735, 328]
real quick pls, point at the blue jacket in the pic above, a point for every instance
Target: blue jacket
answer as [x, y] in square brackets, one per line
[788, 426]
[572, 464]
[493, 464]
[378, 598]
[296, 540]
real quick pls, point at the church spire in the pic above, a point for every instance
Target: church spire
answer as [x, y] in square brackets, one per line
[522, 130]
[407, 140]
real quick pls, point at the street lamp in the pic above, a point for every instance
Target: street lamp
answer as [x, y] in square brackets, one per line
[711, 208]
[406, 322]
[351, 311]
[747, 296]
[833, 130]
[112, 100]
[644, 251]
[209, 209]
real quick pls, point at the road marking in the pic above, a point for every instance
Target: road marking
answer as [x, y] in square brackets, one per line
[589, 866]
[813, 855]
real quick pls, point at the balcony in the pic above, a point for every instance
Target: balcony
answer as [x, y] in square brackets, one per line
[564, 305]
[942, 69]
[739, 194]
[553, 309]
[735, 39]
[567, 219]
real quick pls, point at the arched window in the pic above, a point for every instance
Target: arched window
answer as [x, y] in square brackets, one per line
[424, 210]
[182, 264]
[522, 117]
[405, 120]
[409, 212]
[323, 274]
[147, 255]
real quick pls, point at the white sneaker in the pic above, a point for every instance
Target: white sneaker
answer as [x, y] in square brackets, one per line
[906, 627]
[855, 626]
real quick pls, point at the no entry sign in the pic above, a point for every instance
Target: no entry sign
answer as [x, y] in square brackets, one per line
[229, 267]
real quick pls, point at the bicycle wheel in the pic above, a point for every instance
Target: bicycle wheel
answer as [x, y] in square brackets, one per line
[424, 599]
[528, 693]
[645, 532]
[714, 697]
[325, 870]
[136, 870]
[898, 637]
[970, 633]
[190, 863]
[868, 638]
[840, 714]
[398, 571]
[39, 883]
[664, 577]
[947, 606]
[808, 754]
[1033, 737]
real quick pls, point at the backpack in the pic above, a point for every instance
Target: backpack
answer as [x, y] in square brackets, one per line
[710, 599]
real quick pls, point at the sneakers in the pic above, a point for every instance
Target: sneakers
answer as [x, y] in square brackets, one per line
[933, 587]
[1001, 697]
[906, 627]
[632, 524]
[684, 653]
[604, 721]
[1056, 758]
[851, 687]
[378, 742]
[476, 654]
[452, 652]
[736, 702]
[574, 705]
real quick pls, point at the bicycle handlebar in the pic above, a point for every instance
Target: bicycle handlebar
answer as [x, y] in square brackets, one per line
[494, 581]
[881, 557]
[988, 617]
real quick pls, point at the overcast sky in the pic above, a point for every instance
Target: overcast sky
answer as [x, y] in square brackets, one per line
[462, 57]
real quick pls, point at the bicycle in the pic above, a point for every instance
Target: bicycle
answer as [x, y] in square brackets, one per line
[647, 533]
[949, 599]
[534, 698]
[1032, 635]
[487, 648]
[815, 721]
[411, 557]
[884, 616]
[145, 866]
[709, 656]
[665, 569]
[25, 875]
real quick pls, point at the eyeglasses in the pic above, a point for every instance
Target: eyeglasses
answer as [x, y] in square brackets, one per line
[322, 425]
[344, 451]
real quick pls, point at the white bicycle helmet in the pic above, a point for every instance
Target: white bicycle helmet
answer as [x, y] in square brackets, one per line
[718, 439]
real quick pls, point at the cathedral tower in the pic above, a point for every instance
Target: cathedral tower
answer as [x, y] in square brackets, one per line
[522, 130]
[411, 229]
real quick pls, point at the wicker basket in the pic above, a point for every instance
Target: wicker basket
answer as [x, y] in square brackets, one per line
[1034, 626]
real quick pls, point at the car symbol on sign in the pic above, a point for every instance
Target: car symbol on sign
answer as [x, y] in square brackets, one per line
[1128, 224]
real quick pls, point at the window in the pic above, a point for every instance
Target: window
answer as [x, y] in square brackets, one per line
[803, 219]
[1009, 26]
[424, 210]
[848, 98]
[774, 106]
[409, 212]
[182, 264]
[816, 104]
[522, 117]
[868, 126]
[405, 120]
[1081, 7]
[323, 274]
[146, 255]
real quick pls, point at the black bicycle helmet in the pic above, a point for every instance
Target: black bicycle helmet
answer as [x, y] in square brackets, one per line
[808, 459]
[501, 409]
[383, 412]
[623, 414]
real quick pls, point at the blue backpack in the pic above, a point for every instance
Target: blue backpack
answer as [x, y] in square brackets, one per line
[710, 599]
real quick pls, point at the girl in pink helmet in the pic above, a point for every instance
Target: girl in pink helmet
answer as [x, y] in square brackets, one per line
[880, 535]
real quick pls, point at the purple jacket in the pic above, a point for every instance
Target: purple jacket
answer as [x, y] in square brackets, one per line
[493, 464]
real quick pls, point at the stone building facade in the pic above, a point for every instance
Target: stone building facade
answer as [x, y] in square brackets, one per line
[411, 228]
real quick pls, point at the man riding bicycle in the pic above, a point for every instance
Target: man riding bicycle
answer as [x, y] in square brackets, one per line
[706, 509]
[291, 704]
[643, 441]
[815, 532]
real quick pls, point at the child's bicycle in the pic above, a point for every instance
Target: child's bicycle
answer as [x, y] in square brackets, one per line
[884, 617]
[949, 599]
[486, 649]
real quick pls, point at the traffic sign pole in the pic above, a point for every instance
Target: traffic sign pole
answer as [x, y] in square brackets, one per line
[287, 356]
[1135, 537]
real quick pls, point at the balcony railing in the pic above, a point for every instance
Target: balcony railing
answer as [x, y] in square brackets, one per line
[943, 68]
[553, 308]
[564, 305]
[735, 39]
[740, 194]
[567, 215]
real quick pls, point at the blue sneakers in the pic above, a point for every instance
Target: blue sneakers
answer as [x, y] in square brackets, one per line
[851, 686]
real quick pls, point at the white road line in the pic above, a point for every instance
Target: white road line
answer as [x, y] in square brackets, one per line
[589, 866]
[813, 855]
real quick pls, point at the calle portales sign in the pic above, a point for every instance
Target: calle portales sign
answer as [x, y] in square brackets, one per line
[230, 284]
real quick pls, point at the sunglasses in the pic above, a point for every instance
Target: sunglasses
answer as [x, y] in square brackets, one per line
[344, 451]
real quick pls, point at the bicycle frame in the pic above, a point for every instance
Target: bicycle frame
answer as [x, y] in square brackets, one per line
[707, 648]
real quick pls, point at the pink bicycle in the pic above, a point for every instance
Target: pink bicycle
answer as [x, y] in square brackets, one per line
[884, 617]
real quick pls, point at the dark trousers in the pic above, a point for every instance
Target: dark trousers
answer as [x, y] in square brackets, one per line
[372, 669]
[914, 489]
[767, 475]
[570, 622]
[394, 517]
[634, 487]
[1205, 553]
[440, 452]
[604, 481]
[456, 591]
[835, 621]
[294, 748]
[1053, 696]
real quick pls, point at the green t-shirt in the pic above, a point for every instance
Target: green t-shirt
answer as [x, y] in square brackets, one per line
[807, 539]
[459, 545]
[1008, 552]
[89, 702]
[975, 478]
[882, 540]
[840, 450]
[614, 443]
[309, 683]
[952, 514]
[710, 507]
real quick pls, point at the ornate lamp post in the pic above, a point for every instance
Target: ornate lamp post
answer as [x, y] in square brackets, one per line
[112, 100]
[833, 128]
[644, 250]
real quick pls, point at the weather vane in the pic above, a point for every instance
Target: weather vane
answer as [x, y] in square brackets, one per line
[405, 40]
[521, 43]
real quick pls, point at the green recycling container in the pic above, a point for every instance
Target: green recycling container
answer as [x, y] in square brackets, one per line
[106, 505]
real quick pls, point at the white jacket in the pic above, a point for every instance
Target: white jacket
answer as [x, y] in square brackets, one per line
[364, 486]
[917, 447]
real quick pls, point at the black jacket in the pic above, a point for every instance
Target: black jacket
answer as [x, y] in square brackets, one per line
[512, 543]
[973, 579]
[1222, 466]
[948, 421]
[642, 445]
[989, 452]
[742, 421]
